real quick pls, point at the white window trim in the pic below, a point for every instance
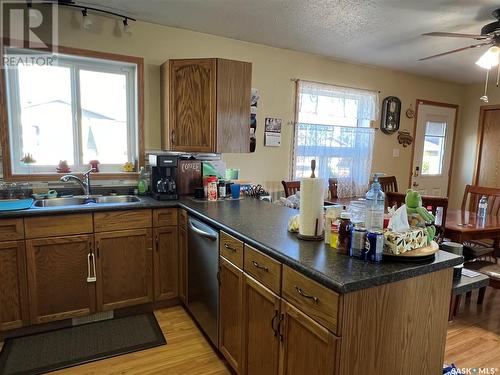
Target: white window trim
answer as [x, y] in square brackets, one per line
[77, 63]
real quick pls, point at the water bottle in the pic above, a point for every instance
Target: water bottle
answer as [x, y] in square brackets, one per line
[375, 204]
[482, 207]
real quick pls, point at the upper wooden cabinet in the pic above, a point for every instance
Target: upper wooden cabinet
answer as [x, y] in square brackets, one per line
[206, 105]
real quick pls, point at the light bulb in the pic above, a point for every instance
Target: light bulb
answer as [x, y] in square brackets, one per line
[490, 58]
[87, 21]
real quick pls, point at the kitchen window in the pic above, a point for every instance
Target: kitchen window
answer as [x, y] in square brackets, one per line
[333, 127]
[79, 109]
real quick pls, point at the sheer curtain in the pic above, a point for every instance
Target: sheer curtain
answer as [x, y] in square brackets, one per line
[334, 129]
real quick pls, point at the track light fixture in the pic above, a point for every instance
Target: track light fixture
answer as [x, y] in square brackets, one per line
[126, 27]
[87, 21]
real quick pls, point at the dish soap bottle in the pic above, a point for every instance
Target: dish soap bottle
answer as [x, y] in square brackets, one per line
[142, 183]
[375, 204]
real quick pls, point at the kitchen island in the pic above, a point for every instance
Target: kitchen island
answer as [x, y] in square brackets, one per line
[328, 313]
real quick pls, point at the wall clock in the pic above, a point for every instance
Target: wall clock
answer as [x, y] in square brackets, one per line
[391, 111]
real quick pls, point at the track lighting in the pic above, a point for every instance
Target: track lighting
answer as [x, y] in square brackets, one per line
[87, 21]
[126, 27]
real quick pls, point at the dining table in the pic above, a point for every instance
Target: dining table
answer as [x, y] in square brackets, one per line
[464, 226]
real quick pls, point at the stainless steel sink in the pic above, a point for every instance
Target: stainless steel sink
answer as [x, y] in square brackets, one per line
[117, 199]
[57, 202]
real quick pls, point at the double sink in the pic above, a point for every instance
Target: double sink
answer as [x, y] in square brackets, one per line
[79, 200]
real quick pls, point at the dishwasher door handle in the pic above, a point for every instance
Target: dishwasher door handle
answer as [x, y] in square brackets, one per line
[211, 237]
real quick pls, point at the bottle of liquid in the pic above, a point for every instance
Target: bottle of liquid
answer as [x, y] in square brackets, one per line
[482, 208]
[375, 203]
[344, 239]
[142, 183]
[334, 234]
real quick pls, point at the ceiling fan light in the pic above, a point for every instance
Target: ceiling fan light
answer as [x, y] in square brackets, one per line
[490, 58]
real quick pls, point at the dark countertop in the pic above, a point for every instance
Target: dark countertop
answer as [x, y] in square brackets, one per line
[264, 226]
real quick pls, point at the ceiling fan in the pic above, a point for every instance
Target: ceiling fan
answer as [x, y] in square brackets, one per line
[490, 36]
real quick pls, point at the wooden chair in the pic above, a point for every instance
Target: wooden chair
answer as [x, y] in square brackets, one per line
[437, 205]
[470, 202]
[291, 187]
[388, 183]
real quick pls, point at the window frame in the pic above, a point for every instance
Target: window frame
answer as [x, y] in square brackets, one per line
[136, 144]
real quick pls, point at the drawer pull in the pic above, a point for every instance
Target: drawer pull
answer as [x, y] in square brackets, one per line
[305, 295]
[257, 265]
[229, 247]
[273, 323]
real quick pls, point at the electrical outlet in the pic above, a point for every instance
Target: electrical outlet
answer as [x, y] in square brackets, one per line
[395, 152]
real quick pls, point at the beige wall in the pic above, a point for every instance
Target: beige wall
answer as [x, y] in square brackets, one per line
[272, 70]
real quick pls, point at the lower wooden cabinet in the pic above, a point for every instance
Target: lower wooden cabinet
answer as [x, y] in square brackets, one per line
[166, 263]
[124, 268]
[261, 314]
[57, 277]
[306, 347]
[230, 312]
[13, 289]
[183, 249]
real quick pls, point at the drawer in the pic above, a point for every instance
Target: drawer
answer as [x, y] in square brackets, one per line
[11, 229]
[316, 300]
[58, 225]
[121, 220]
[263, 269]
[163, 217]
[231, 249]
[182, 217]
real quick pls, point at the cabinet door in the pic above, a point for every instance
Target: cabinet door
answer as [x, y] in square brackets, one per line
[261, 309]
[13, 288]
[306, 347]
[124, 270]
[192, 101]
[182, 264]
[58, 269]
[166, 263]
[230, 309]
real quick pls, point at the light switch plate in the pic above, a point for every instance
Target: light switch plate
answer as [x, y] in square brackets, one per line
[395, 152]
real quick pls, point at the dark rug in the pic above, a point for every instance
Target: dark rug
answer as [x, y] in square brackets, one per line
[67, 347]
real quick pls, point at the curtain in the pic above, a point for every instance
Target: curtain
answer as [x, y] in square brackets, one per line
[334, 129]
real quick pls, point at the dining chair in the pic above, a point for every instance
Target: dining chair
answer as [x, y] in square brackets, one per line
[388, 183]
[470, 201]
[437, 205]
[290, 187]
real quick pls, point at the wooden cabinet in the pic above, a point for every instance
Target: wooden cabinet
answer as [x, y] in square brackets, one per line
[261, 314]
[124, 268]
[230, 312]
[58, 269]
[206, 105]
[166, 263]
[306, 347]
[13, 289]
[183, 249]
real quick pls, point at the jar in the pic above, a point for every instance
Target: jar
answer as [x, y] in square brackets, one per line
[345, 229]
[212, 188]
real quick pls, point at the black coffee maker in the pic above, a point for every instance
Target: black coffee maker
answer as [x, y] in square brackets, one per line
[164, 177]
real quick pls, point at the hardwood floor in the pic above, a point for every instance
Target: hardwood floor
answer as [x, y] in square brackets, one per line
[473, 339]
[187, 352]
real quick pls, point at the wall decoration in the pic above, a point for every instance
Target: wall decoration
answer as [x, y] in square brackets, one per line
[253, 118]
[405, 138]
[391, 111]
[273, 131]
[410, 112]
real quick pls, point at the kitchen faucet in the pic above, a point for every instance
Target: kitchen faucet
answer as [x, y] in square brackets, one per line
[84, 182]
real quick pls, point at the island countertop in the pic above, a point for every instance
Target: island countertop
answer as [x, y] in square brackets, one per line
[264, 226]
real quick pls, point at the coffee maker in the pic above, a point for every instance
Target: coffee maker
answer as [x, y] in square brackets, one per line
[164, 177]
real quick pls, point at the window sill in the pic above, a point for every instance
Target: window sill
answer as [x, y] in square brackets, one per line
[57, 176]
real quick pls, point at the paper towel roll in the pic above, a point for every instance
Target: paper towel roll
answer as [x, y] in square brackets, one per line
[312, 192]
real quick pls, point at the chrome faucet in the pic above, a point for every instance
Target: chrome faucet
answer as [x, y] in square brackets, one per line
[84, 182]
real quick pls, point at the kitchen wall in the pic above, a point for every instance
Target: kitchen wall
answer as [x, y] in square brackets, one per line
[272, 70]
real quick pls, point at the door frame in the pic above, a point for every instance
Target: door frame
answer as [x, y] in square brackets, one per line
[419, 102]
[479, 141]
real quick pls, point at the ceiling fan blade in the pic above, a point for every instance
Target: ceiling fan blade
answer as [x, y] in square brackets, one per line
[456, 50]
[457, 35]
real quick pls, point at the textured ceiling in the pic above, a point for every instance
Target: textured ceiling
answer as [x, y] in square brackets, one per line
[384, 33]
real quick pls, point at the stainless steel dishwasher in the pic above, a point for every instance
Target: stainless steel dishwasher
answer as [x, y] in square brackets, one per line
[203, 284]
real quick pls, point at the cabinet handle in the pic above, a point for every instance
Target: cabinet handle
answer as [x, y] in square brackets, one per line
[305, 295]
[257, 265]
[172, 133]
[229, 247]
[90, 267]
[280, 326]
[273, 322]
